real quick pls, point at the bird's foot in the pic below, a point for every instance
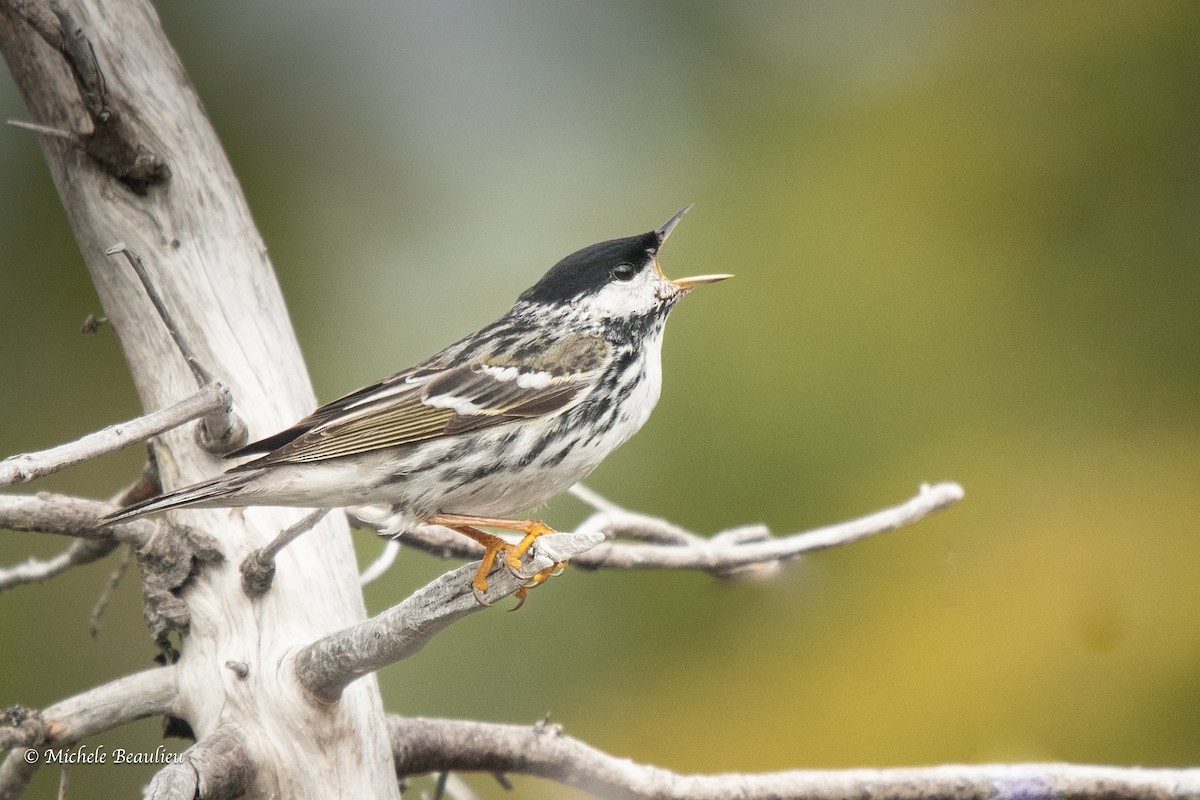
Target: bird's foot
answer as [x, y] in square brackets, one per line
[493, 546]
[532, 530]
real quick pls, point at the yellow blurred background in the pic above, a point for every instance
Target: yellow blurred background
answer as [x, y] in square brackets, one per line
[967, 247]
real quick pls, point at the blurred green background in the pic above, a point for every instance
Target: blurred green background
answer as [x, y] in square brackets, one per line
[966, 242]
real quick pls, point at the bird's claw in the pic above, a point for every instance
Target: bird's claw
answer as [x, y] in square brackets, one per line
[479, 583]
[479, 593]
[543, 575]
[511, 556]
[520, 594]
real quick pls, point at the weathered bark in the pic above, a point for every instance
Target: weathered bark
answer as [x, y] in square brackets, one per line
[424, 745]
[207, 261]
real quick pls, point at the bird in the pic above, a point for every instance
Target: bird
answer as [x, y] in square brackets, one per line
[495, 424]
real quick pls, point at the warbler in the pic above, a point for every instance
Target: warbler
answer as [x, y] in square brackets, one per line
[498, 422]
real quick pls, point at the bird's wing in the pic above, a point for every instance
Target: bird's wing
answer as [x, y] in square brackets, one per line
[432, 400]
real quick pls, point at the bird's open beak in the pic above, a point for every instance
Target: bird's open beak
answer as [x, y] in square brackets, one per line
[687, 284]
[670, 224]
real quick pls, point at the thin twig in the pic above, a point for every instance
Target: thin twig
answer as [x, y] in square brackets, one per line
[258, 568]
[199, 371]
[45, 130]
[64, 778]
[629, 524]
[92, 323]
[148, 693]
[221, 430]
[110, 588]
[382, 563]
[51, 513]
[327, 665]
[431, 745]
[439, 788]
[735, 551]
[33, 570]
[211, 398]
[457, 788]
[85, 67]
[642, 527]
[593, 498]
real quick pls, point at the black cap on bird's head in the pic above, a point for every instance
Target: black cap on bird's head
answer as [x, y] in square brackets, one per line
[595, 266]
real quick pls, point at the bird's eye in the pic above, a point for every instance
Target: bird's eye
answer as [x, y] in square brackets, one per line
[623, 272]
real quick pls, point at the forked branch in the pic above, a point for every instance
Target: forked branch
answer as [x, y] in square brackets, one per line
[736, 552]
[222, 430]
[212, 398]
[71, 516]
[424, 745]
[326, 666]
[150, 693]
[78, 553]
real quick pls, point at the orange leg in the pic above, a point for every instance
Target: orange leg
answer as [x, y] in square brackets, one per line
[492, 546]
[466, 524]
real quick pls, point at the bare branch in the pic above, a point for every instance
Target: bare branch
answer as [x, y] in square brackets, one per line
[750, 546]
[64, 779]
[32, 570]
[327, 665]
[70, 516]
[650, 530]
[222, 430]
[216, 767]
[20, 726]
[106, 595]
[16, 771]
[258, 568]
[210, 399]
[425, 745]
[149, 693]
[45, 130]
[169, 556]
[199, 371]
[382, 563]
[50, 509]
[737, 551]
[593, 498]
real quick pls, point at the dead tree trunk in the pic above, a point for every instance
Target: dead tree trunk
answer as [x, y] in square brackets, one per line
[279, 686]
[136, 161]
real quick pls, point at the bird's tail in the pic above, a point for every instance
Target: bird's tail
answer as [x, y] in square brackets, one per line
[221, 489]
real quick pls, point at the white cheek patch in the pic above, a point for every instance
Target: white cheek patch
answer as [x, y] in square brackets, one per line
[623, 299]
